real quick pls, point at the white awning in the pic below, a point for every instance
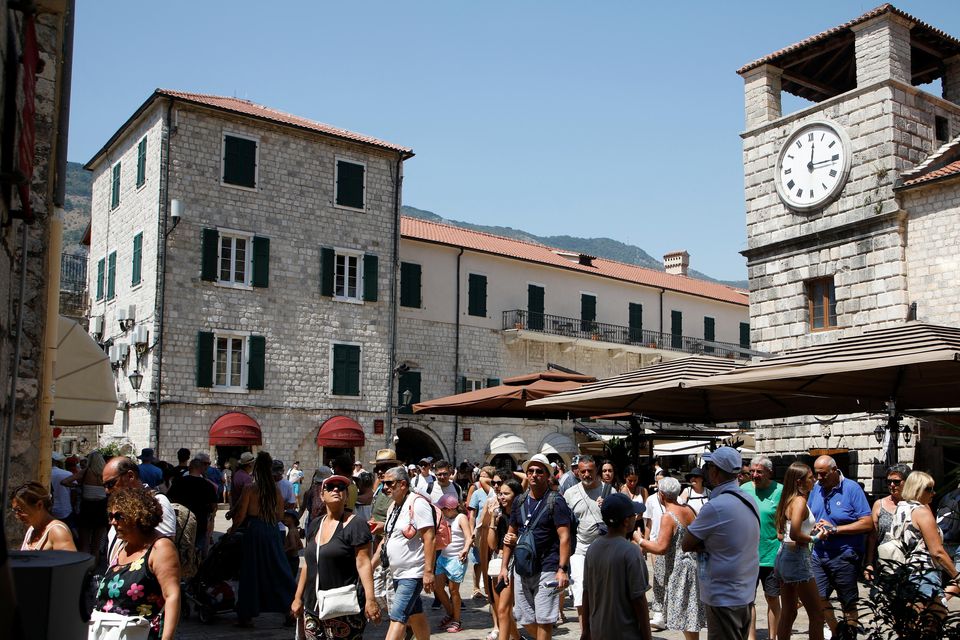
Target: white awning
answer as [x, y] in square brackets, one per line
[681, 448]
[507, 442]
[559, 444]
[84, 391]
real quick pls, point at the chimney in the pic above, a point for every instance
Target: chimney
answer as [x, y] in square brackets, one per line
[676, 263]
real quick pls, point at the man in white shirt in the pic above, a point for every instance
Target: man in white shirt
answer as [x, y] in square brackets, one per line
[584, 500]
[443, 484]
[425, 476]
[410, 560]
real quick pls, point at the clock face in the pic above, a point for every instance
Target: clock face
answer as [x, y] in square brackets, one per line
[813, 166]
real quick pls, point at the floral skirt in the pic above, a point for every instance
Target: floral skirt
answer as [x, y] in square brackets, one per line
[346, 627]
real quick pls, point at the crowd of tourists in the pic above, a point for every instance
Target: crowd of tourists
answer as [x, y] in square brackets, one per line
[354, 547]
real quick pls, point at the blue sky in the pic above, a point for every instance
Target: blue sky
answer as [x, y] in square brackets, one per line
[603, 118]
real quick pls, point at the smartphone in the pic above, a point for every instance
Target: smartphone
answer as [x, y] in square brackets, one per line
[500, 586]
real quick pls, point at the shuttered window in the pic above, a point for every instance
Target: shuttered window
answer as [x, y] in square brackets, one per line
[410, 285]
[408, 381]
[232, 258]
[745, 335]
[635, 319]
[101, 268]
[112, 275]
[240, 161]
[350, 184]
[588, 311]
[205, 359]
[477, 295]
[676, 329]
[371, 281]
[709, 333]
[229, 361]
[142, 162]
[535, 307]
[256, 365]
[345, 380]
[137, 259]
[115, 187]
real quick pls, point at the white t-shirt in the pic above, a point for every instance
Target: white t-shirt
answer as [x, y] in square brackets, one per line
[406, 556]
[61, 494]
[654, 514]
[438, 491]
[294, 475]
[583, 504]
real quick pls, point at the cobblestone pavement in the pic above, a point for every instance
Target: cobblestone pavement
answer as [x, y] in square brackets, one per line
[475, 617]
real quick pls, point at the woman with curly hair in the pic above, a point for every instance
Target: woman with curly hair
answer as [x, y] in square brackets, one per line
[31, 504]
[266, 583]
[143, 572]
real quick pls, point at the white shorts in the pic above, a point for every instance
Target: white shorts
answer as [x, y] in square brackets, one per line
[576, 579]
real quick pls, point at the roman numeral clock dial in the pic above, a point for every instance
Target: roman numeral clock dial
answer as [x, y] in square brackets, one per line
[813, 166]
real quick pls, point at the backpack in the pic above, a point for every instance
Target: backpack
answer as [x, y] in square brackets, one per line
[525, 560]
[440, 524]
[185, 540]
[948, 517]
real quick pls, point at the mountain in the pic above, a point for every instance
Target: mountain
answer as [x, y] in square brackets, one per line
[77, 215]
[600, 247]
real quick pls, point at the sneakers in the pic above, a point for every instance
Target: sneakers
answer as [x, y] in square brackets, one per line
[658, 622]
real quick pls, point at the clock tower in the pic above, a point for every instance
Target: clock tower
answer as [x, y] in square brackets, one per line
[826, 234]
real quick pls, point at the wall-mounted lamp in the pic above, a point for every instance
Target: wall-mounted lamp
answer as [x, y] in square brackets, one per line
[878, 433]
[136, 379]
[176, 213]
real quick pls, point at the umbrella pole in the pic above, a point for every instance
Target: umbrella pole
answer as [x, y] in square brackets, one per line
[893, 426]
[635, 442]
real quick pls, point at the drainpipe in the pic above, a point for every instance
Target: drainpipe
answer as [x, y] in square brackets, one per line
[159, 305]
[661, 311]
[456, 361]
[395, 266]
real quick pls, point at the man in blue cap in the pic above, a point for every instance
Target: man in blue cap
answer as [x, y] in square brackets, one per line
[727, 533]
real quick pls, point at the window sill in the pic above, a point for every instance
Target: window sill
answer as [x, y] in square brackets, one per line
[142, 186]
[234, 285]
[229, 389]
[238, 186]
[822, 329]
[356, 397]
[136, 287]
[346, 208]
[348, 300]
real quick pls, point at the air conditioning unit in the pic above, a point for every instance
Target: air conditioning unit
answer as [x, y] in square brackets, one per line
[141, 334]
[124, 349]
[96, 325]
[114, 354]
[122, 314]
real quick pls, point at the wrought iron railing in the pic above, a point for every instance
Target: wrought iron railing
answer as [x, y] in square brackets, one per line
[73, 273]
[521, 319]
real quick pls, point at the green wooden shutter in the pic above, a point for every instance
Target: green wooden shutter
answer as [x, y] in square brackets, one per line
[493, 382]
[240, 161]
[115, 187]
[588, 311]
[462, 384]
[137, 259]
[745, 335]
[204, 359]
[410, 285]
[346, 370]
[142, 162]
[210, 255]
[535, 307]
[350, 184]
[477, 295]
[101, 266]
[709, 333]
[371, 280]
[261, 262]
[676, 329]
[408, 380]
[111, 275]
[256, 366]
[636, 322]
[327, 271]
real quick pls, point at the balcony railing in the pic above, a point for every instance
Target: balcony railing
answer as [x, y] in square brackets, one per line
[73, 273]
[618, 334]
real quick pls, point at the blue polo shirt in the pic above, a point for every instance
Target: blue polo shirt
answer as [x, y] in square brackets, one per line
[843, 504]
[151, 474]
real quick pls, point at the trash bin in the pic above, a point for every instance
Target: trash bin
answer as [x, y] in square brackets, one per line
[50, 588]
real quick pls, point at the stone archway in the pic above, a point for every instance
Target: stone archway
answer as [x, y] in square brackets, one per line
[415, 443]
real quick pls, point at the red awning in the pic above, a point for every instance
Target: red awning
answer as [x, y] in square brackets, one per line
[236, 429]
[340, 431]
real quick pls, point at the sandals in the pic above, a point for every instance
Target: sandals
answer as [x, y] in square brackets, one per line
[454, 626]
[445, 621]
[493, 635]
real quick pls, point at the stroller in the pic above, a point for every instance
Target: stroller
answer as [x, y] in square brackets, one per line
[213, 589]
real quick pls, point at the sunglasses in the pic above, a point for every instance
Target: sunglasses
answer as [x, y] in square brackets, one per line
[894, 482]
[335, 486]
[116, 516]
[17, 510]
[387, 483]
[111, 483]
[929, 489]
[536, 471]
[497, 483]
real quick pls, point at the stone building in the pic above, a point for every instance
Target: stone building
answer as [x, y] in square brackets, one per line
[476, 308]
[240, 272]
[838, 240]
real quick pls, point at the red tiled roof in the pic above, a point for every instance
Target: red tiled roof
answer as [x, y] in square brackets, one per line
[825, 35]
[952, 169]
[253, 110]
[417, 229]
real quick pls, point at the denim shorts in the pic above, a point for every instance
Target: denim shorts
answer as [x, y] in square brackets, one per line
[406, 599]
[793, 564]
[451, 567]
[926, 585]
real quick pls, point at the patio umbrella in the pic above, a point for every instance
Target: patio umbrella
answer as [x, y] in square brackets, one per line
[508, 400]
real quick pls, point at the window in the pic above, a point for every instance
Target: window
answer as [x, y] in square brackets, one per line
[535, 295]
[349, 275]
[112, 275]
[115, 187]
[345, 370]
[240, 161]
[410, 285]
[709, 333]
[676, 329]
[235, 258]
[821, 304]
[229, 361]
[635, 319]
[745, 335]
[477, 295]
[101, 269]
[142, 162]
[475, 383]
[137, 259]
[588, 311]
[350, 184]
[942, 128]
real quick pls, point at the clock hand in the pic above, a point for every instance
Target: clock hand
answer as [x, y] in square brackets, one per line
[810, 164]
[822, 162]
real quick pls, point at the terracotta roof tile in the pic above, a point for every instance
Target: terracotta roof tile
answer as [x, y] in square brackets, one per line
[873, 13]
[947, 171]
[417, 229]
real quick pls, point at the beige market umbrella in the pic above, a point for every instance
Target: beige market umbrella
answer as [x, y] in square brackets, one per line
[84, 391]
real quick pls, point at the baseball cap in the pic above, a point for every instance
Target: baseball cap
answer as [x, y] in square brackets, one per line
[724, 458]
[341, 479]
[448, 501]
[696, 471]
[617, 507]
[539, 459]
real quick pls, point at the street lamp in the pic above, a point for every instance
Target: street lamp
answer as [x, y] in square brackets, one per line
[136, 379]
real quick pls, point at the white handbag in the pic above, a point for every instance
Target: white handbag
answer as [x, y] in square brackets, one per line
[340, 601]
[113, 626]
[494, 566]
